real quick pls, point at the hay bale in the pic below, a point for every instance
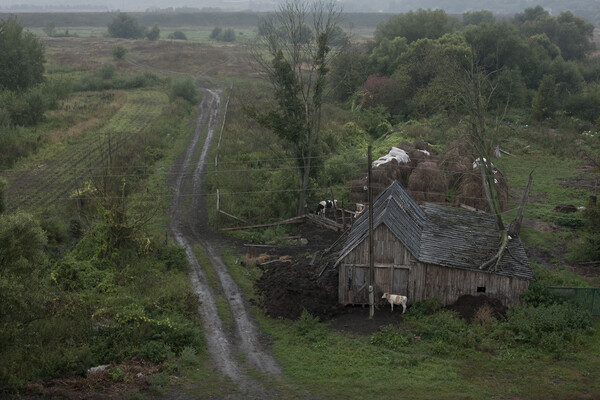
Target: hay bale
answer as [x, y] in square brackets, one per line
[357, 192]
[416, 157]
[470, 191]
[428, 183]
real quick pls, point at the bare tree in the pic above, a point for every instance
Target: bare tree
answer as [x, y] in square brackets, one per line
[293, 51]
[474, 90]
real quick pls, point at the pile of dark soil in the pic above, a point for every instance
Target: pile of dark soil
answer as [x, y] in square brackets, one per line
[286, 290]
[468, 305]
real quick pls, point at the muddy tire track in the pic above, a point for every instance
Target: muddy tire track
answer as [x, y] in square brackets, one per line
[189, 225]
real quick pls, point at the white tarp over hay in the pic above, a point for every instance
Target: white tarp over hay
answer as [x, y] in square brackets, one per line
[395, 153]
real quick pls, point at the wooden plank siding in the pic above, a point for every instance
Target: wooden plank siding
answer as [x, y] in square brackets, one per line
[424, 280]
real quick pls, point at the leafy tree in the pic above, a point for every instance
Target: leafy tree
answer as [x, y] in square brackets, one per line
[297, 72]
[21, 57]
[421, 74]
[119, 51]
[478, 17]
[338, 37]
[50, 28]
[430, 24]
[571, 34]
[574, 36]
[530, 15]
[568, 77]
[497, 45]
[385, 58]
[126, 27]
[348, 71]
[22, 273]
[381, 90]
[545, 101]
[154, 33]
[586, 105]
[178, 35]
[216, 32]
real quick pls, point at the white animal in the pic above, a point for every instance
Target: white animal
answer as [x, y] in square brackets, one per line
[396, 299]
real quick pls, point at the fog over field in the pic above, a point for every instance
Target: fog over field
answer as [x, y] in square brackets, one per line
[586, 8]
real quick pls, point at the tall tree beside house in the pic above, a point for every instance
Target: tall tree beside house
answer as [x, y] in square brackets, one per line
[297, 68]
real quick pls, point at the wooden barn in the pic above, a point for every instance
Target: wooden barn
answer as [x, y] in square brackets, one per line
[429, 252]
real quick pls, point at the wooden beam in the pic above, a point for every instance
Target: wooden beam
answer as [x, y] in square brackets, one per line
[294, 220]
[232, 216]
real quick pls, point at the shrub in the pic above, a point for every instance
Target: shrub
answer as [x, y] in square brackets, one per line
[426, 307]
[551, 327]
[185, 89]
[119, 51]
[391, 339]
[444, 326]
[216, 32]
[309, 328]
[178, 35]
[228, 35]
[173, 257]
[154, 33]
[107, 71]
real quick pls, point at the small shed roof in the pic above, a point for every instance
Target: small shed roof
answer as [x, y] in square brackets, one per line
[440, 235]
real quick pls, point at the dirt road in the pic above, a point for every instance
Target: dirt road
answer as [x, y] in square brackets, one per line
[189, 225]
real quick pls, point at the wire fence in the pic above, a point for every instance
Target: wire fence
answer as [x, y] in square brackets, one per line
[589, 297]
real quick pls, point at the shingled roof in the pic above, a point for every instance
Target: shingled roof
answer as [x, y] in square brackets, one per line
[395, 208]
[440, 235]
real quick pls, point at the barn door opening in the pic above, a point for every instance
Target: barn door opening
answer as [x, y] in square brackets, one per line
[400, 281]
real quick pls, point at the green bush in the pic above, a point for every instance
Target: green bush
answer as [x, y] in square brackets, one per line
[216, 32]
[444, 326]
[178, 35]
[173, 257]
[107, 71]
[426, 307]
[228, 35]
[186, 89]
[551, 327]
[153, 33]
[72, 275]
[119, 51]
[391, 338]
[308, 328]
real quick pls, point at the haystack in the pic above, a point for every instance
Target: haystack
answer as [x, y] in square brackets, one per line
[470, 191]
[428, 183]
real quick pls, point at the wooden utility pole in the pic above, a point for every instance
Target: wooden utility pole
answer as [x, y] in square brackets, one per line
[371, 246]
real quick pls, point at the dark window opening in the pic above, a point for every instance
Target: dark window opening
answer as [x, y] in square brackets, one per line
[480, 289]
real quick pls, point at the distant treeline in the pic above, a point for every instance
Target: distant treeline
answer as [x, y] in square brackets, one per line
[233, 19]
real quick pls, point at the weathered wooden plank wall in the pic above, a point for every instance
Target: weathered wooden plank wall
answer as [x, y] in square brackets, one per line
[424, 280]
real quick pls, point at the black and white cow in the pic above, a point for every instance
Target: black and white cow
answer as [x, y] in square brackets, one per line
[325, 204]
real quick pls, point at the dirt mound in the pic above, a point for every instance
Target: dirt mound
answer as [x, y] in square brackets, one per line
[287, 290]
[468, 306]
